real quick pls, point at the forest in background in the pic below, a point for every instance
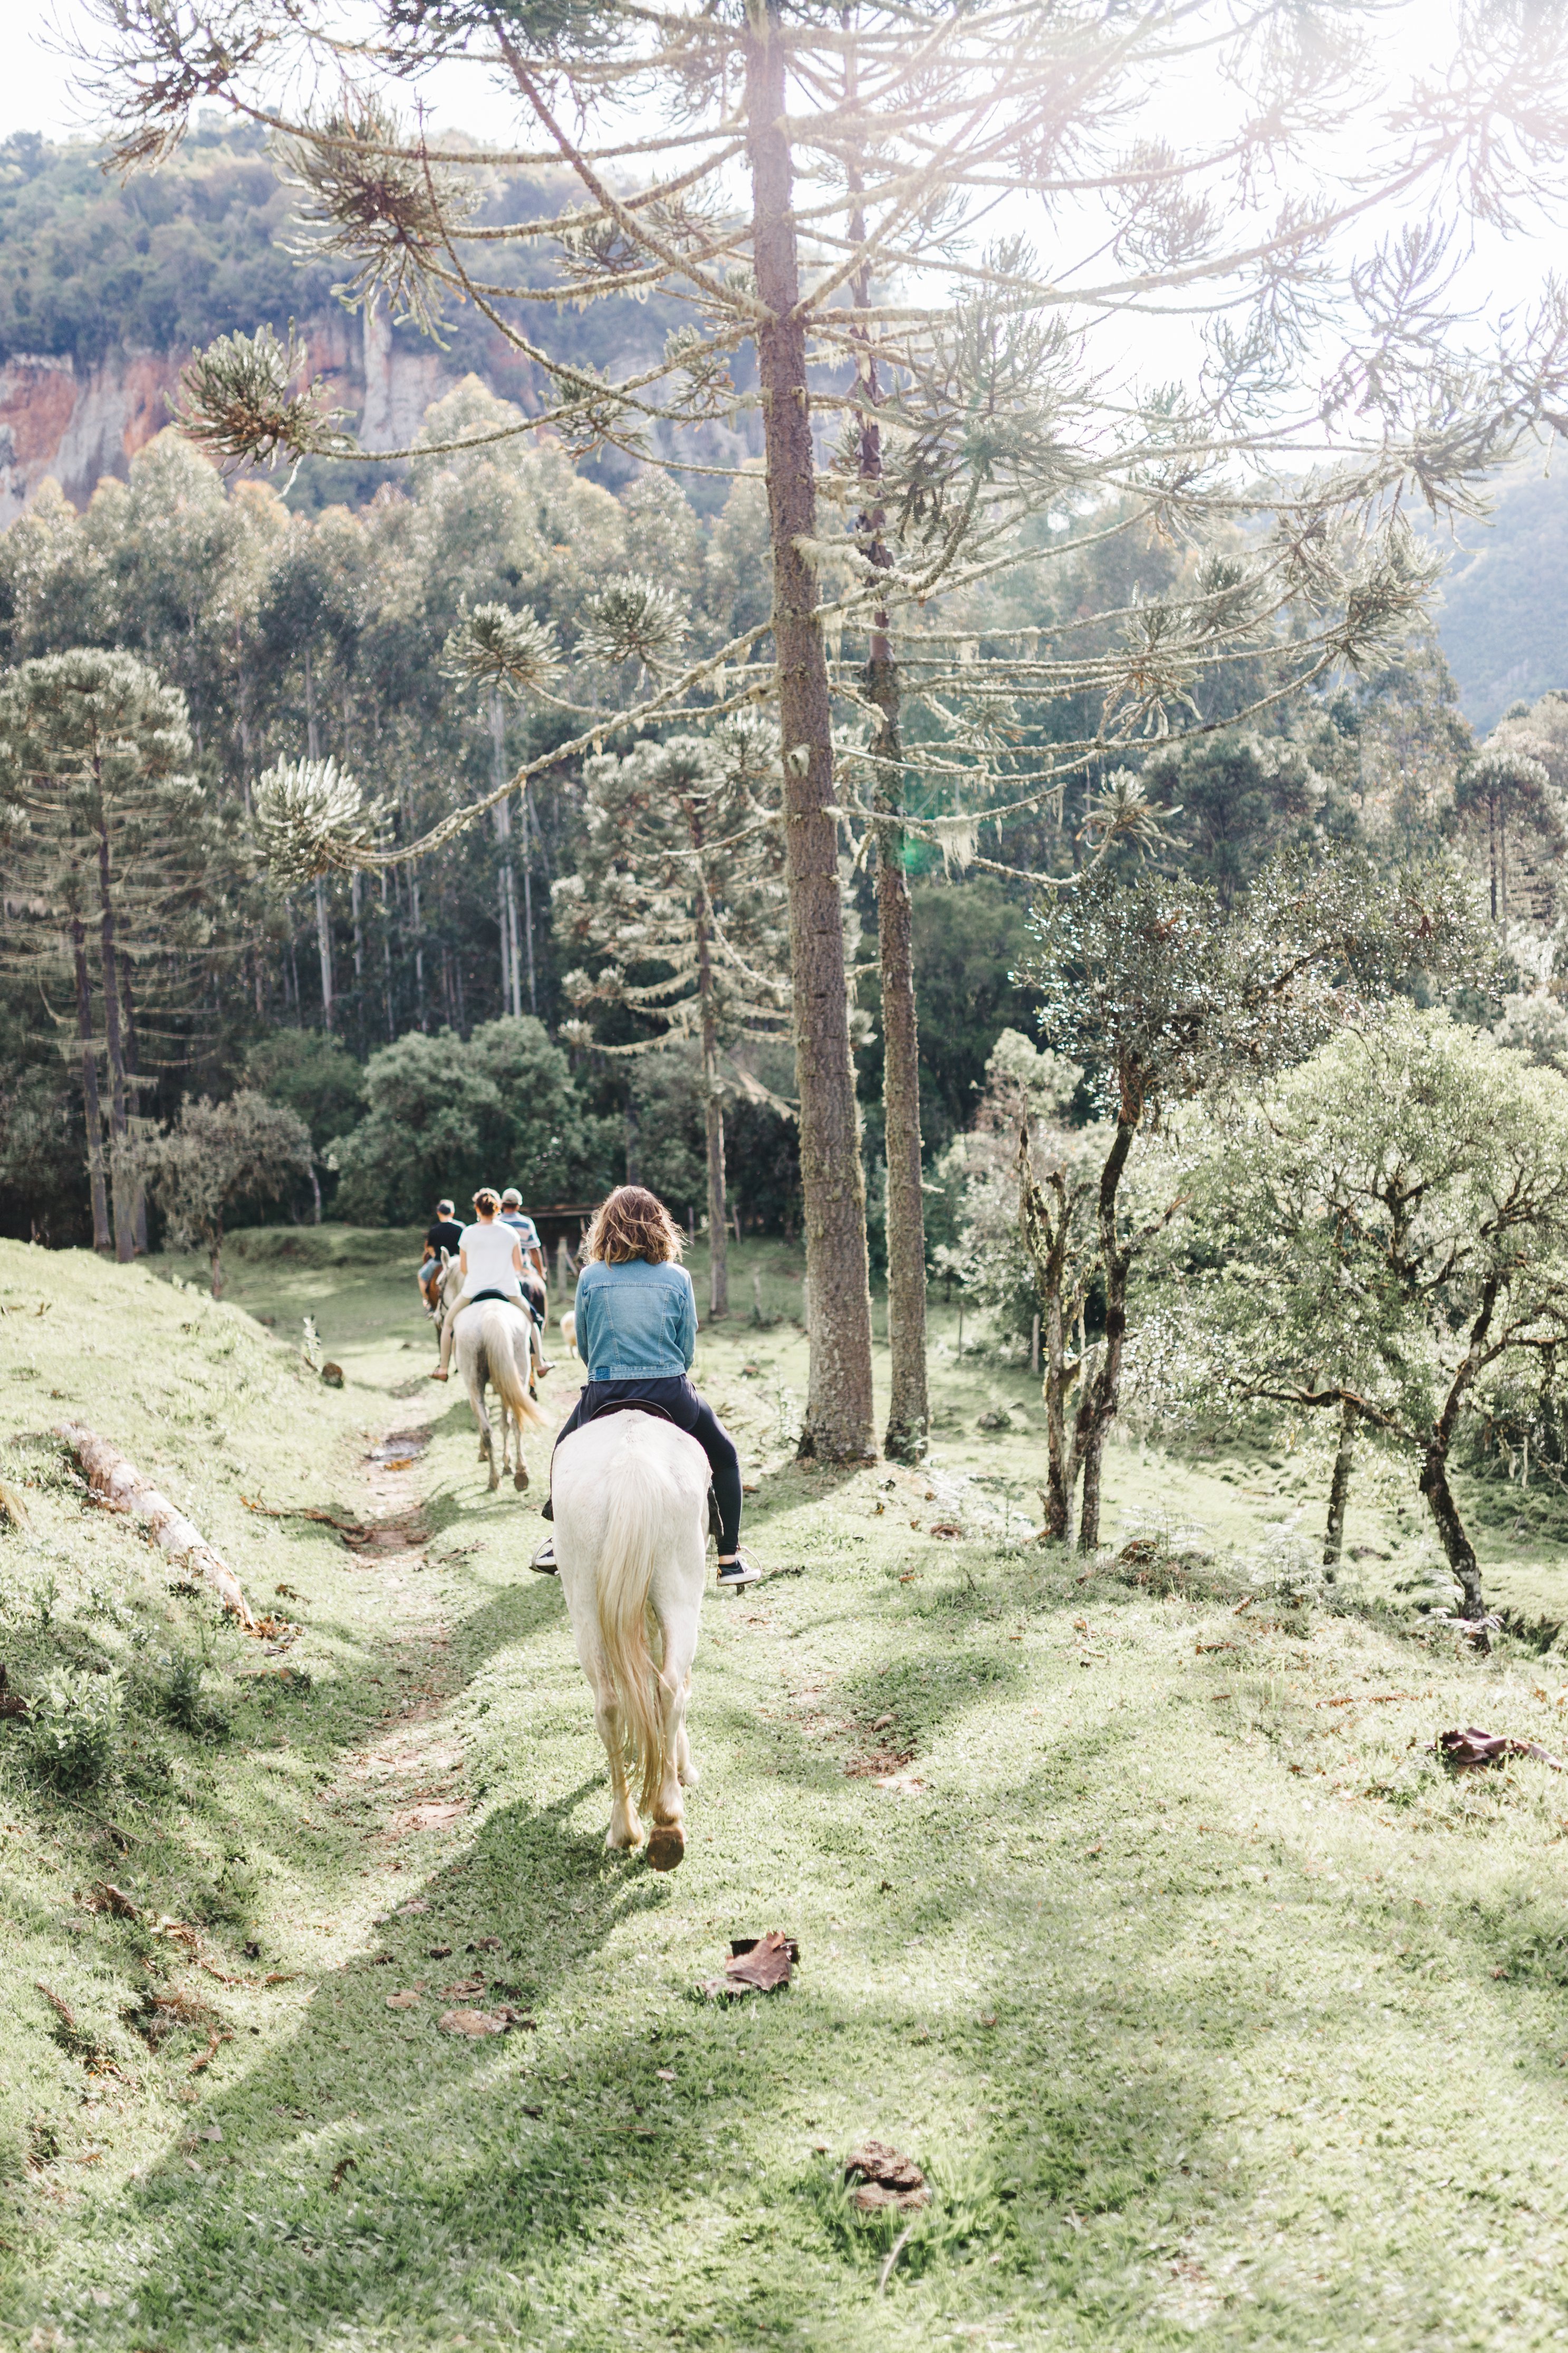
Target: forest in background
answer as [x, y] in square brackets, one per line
[321, 632]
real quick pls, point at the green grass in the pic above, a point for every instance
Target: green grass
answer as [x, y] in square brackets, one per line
[1217, 2014]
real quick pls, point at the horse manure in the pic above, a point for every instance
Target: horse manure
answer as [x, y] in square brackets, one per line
[883, 2177]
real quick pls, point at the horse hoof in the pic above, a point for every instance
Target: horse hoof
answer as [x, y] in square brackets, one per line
[666, 1847]
[520, 1477]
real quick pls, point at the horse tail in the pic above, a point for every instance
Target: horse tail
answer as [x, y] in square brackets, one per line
[510, 1384]
[643, 1506]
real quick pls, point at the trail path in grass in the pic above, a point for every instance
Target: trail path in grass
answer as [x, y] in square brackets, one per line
[1144, 1921]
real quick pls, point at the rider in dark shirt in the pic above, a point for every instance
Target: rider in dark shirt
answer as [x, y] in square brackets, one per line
[446, 1234]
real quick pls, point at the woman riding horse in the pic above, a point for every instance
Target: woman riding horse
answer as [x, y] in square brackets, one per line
[492, 1262]
[636, 1333]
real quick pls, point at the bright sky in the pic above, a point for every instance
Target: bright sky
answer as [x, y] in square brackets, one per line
[36, 94]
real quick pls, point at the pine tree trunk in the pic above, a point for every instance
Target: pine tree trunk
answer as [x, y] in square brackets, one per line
[132, 1089]
[1339, 1487]
[1457, 1546]
[101, 1238]
[909, 1405]
[356, 908]
[120, 1126]
[324, 945]
[838, 1423]
[527, 916]
[718, 1223]
[387, 958]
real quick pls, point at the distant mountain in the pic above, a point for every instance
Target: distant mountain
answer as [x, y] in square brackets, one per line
[1503, 618]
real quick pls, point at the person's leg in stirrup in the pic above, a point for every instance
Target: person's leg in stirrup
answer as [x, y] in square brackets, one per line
[545, 1559]
[735, 1566]
[448, 1333]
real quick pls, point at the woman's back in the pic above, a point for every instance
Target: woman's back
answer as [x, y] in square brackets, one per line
[636, 1321]
[490, 1251]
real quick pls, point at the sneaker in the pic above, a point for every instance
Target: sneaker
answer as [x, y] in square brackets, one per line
[742, 1570]
[545, 1559]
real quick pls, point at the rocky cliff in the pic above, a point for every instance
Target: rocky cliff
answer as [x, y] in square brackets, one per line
[76, 421]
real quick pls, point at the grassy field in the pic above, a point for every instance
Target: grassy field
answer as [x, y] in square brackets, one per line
[1132, 1902]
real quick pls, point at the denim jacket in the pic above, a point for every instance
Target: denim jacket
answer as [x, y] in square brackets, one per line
[636, 1322]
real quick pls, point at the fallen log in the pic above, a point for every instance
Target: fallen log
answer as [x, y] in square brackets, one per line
[121, 1486]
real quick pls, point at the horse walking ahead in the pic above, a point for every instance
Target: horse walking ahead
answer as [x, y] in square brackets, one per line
[495, 1345]
[631, 1519]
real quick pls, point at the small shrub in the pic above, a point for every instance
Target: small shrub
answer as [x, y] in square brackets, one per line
[179, 1692]
[73, 1730]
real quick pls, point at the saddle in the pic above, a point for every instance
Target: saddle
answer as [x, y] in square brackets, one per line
[505, 1297]
[630, 1405]
[646, 1405]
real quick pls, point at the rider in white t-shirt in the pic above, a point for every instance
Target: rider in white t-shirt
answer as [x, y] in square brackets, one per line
[490, 1260]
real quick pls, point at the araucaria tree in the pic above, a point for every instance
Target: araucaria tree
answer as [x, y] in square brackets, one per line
[104, 861]
[1391, 1222]
[678, 904]
[817, 188]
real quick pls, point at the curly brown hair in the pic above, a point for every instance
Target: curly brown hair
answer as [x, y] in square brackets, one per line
[487, 1198]
[632, 1223]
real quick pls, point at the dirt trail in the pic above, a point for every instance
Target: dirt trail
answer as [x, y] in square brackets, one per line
[416, 1769]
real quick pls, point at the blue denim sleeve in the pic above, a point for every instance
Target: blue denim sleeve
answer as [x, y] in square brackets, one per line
[688, 1319]
[583, 1308]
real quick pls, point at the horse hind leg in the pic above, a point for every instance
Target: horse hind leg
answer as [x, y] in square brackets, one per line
[684, 1765]
[625, 1829]
[667, 1844]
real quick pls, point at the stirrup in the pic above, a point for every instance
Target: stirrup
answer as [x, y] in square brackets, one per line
[545, 1559]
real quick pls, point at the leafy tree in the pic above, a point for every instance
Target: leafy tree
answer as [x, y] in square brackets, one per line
[217, 1156]
[1391, 1222]
[1161, 994]
[678, 902]
[446, 1114]
[312, 1074]
[107, 866]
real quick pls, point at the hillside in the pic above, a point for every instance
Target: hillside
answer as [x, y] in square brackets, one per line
[1503, 621]
[1148, 1928]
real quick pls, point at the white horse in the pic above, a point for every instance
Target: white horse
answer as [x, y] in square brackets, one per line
[631, 1517]
[495, 1345]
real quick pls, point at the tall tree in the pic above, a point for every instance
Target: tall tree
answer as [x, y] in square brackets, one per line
[872, 147]
[678, 902]
[95, 751]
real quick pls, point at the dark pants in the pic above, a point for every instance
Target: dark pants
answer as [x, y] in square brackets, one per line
[688, 1412]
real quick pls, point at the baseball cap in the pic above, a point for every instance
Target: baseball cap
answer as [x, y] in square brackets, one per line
[511, 1196]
